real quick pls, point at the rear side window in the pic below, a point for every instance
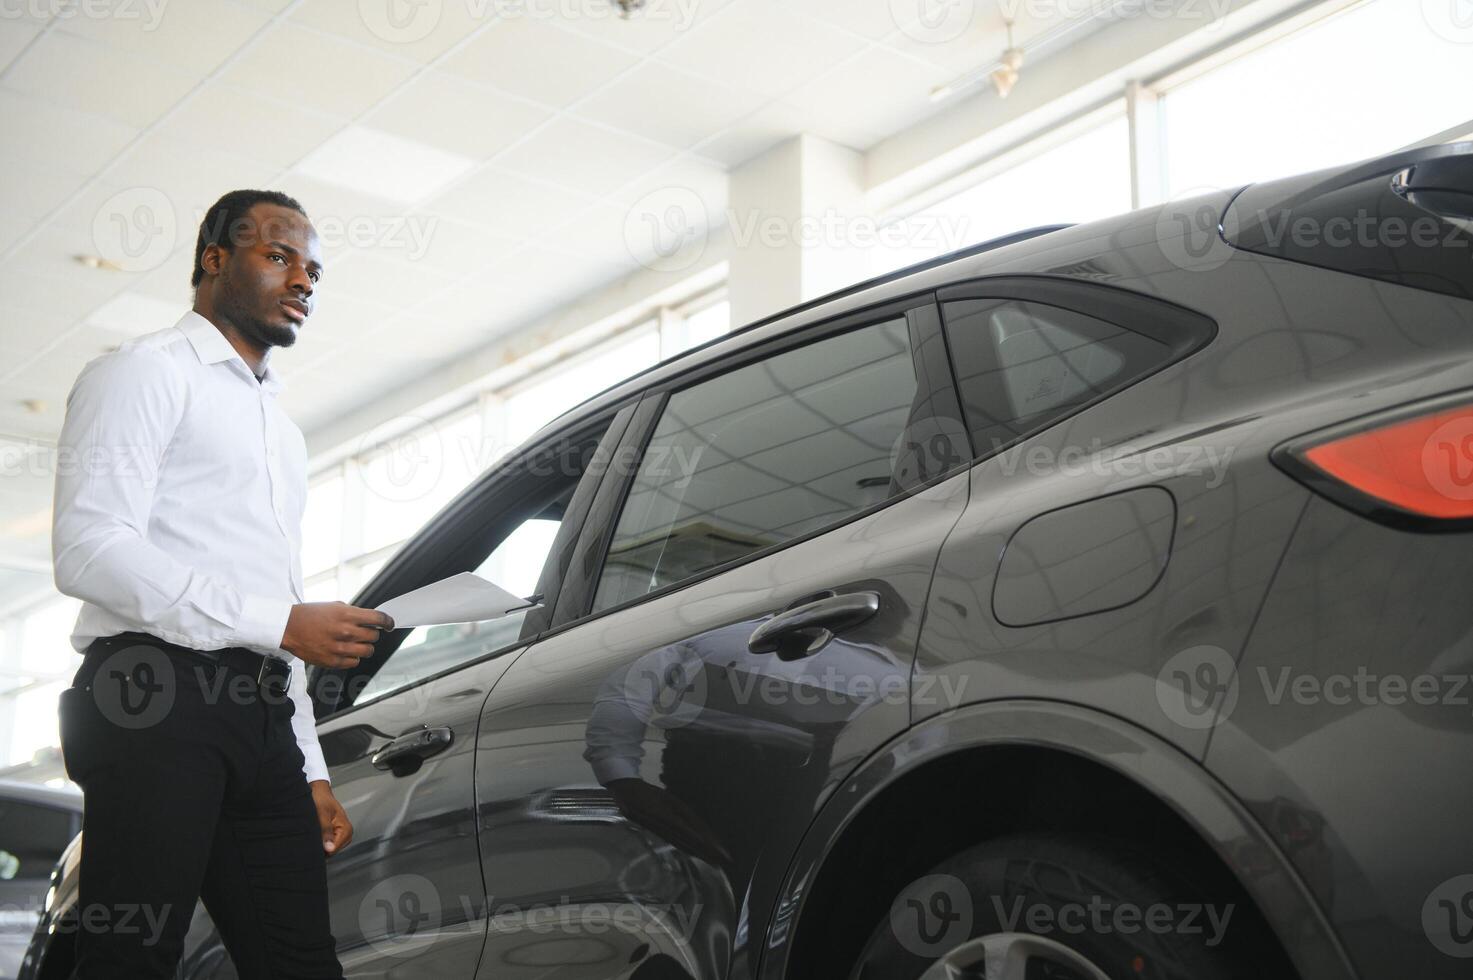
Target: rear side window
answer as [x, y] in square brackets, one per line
[764, 454]
[1022, 365]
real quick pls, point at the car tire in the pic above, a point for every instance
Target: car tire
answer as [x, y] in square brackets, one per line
[1035, 905]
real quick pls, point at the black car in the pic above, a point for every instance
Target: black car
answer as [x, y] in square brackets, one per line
[36, 825]
[1093, 603]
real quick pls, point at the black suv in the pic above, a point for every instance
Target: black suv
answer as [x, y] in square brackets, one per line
[1093, 603]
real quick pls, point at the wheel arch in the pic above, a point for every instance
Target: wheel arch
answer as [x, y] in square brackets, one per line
[1122, 780]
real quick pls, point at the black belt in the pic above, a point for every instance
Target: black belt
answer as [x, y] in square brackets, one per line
[269, 673]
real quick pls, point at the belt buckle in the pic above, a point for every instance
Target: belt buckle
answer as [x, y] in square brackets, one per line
[261, 671]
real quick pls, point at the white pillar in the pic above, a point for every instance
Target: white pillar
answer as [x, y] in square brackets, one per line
[797, 223]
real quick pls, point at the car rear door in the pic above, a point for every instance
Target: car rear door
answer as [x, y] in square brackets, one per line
[735, 634]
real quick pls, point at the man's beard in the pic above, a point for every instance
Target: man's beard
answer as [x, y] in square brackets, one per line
[251, 326]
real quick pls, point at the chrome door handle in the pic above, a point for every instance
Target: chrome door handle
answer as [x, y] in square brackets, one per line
[415, 746]
[806, 629]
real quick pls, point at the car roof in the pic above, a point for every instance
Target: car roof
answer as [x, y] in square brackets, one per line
[752, 333]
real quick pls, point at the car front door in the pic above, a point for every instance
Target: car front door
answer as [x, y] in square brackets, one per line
[736, 633]
[407, 896]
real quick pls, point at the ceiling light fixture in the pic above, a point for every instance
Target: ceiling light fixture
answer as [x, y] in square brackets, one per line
[1003, 73]
[98, 262]
[628, 7]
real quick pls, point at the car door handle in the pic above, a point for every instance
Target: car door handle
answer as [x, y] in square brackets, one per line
[416, 745]
[804, 630]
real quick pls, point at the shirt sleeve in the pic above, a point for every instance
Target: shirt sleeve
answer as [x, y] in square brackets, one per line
[304, 725]
[121, 416]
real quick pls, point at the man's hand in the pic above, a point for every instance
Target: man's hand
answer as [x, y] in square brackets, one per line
[333, 634]
[337, 829]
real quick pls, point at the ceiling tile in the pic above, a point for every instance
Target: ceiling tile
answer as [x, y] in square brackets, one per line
[58, 142]
[339, 318]
[873, 20]
[317, 71]
[457, 115]
[466, 308]
[757, 133]
[870, 96]
[767, 47]
[428, 31]
[31, 192]
[14, 36]
[269, 130]
[455, 247]
[388, 282]
[665, 104]
[82, 74]
[132, 314]
[583, 156]
[532, 58]
[384, 165]
[509, 205]
[69, 298]
[195, 37]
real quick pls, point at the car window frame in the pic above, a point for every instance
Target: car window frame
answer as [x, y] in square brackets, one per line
[1183, 331]
[936, 386]
[419, 560]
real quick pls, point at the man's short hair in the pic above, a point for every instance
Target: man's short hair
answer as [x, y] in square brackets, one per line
[227, 214]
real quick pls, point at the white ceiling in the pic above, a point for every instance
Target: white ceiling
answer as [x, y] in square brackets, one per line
[507, 150]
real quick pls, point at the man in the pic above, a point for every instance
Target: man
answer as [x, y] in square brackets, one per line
[177, 521]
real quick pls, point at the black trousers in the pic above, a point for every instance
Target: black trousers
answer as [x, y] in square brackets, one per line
[193, 790]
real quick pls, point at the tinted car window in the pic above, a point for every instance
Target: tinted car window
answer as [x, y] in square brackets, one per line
[1022, 365]
[761, 455]
[32, 837]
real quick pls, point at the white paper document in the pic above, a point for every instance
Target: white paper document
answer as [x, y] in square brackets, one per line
[463, 598]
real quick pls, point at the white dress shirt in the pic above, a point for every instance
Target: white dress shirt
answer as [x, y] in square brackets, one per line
[179, 495]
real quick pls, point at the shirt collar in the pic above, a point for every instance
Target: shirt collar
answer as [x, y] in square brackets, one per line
[211, 347]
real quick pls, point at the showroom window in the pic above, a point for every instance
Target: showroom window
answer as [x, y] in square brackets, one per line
[1020, 366]
[1302, 97]
[761, 455]
[1081, 179]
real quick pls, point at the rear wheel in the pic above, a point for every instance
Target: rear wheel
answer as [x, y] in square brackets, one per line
[1044, 907]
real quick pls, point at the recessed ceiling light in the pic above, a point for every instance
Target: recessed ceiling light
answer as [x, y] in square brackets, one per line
[384, 165]
[98, 262]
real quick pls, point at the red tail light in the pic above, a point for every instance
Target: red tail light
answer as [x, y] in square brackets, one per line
[1412, 468]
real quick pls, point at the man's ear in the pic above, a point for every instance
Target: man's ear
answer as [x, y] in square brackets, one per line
[211, 259]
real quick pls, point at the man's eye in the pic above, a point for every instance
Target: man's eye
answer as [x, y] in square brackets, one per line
[277, 255]
[314, 276]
